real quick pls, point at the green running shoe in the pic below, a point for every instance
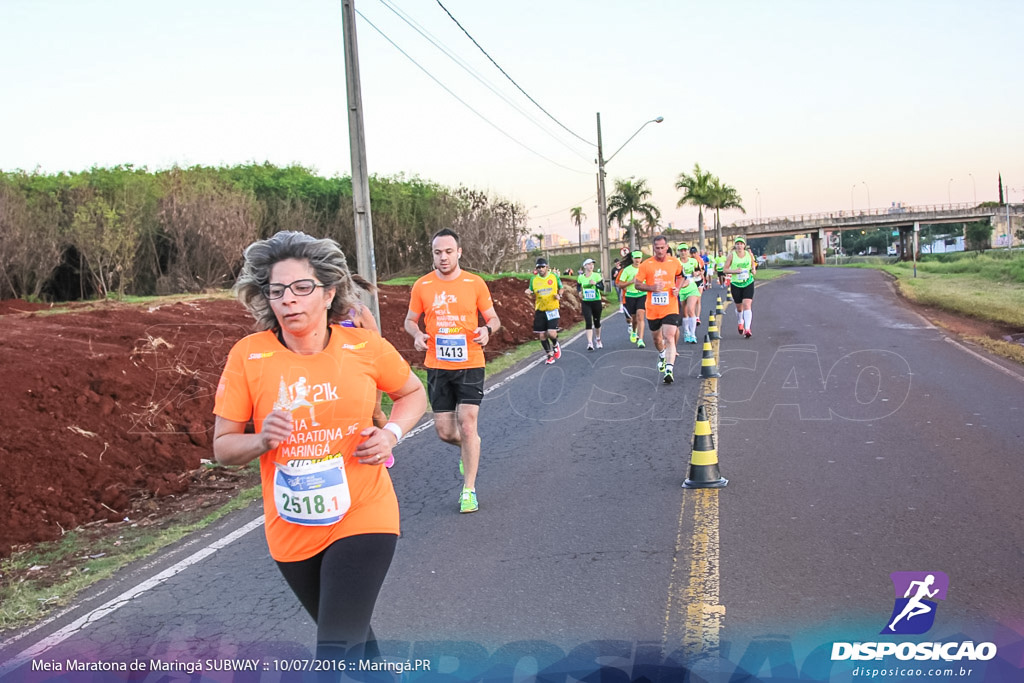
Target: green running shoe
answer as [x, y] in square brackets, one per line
[667, 379]
[632, 337]
[661, 365]
[640, 344]
[467, 503]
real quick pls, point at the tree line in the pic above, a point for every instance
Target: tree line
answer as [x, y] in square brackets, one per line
[129, 231]
[630, 208]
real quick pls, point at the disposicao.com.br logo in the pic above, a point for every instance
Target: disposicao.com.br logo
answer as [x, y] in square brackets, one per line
[913, 613]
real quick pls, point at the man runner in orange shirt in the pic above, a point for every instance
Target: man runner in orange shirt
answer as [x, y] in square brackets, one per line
[450, 300]
[660, 277]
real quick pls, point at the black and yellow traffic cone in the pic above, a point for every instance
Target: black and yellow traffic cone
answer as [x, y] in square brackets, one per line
[704, 472]
[719, 311]
[708, 367]
[713, 327]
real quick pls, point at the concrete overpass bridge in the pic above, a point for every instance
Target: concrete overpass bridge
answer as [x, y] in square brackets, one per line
[817, 225]
[905, 219]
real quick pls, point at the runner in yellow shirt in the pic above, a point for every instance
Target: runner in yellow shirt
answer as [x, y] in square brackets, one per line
[546, 290]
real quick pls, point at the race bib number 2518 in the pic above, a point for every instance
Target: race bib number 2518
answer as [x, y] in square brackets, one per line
[313, 495]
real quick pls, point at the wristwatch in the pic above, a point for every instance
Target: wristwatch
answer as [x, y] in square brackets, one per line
[489, 330]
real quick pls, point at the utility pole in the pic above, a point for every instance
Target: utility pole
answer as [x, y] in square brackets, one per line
[602, 210]
[602, 206]
[365, 262]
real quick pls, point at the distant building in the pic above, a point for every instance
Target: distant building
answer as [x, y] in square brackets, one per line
[944, 245]
[799, 245]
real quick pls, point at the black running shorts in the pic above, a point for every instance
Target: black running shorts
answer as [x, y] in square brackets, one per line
[541, 322]
[741, 293]
[449, 388]
[671, 319]
[636, 303]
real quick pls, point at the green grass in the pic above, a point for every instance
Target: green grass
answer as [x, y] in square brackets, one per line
[987, 286]
[770, 273]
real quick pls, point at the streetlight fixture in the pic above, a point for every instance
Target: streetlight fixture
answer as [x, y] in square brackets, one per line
[602, 207]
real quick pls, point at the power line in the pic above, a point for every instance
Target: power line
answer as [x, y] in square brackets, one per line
[463, 102]
[510, 78]
[468, 69]
[568, 208]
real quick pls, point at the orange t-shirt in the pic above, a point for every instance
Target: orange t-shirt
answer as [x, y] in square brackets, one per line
[665, 273]
[331, 396]
[449, 309]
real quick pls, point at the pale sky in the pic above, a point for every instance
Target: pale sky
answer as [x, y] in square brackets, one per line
[802, 106]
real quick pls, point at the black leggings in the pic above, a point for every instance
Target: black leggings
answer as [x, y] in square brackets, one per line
[339, 587]
[592, 314]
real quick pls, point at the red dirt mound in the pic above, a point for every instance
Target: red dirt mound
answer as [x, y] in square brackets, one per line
[109, 405]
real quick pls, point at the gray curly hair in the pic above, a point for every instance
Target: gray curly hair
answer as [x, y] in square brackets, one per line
[323, 255]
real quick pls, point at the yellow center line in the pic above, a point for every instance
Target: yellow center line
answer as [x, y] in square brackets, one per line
[693, 614]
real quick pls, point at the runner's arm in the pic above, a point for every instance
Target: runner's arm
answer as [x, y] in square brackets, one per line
[410, 402]
[232, 446]
[412, 327]
[490, 320]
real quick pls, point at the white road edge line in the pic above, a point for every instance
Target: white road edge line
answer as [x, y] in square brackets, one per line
[116, 603]
[987, 361]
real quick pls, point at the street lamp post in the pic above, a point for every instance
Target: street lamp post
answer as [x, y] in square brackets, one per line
[975, 186]
[602, 206]
[852, 188]
[758, 206]
[949, 197]
[868, 190]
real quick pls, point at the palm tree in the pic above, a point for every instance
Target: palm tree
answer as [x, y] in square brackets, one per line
[540, 240]
[577, 216]
[696, 192]
[631, 197]
[722, 197]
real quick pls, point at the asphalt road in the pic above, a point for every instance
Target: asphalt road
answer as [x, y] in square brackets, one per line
[857, 439]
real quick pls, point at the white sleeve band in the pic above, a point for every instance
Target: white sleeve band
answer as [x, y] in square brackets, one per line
[394, 429]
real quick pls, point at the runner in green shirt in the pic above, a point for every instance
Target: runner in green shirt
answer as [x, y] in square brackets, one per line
[720, 269]
[635, 300]
[741, 266]
[590, 285]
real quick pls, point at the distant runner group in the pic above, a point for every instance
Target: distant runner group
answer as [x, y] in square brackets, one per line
[662, 293]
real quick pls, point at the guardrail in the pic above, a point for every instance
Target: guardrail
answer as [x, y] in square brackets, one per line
[900, 214]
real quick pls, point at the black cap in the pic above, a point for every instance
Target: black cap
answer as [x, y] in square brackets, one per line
[541, 262]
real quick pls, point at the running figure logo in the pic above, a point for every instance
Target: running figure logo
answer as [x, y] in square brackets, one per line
[291, 397]
[914, 612]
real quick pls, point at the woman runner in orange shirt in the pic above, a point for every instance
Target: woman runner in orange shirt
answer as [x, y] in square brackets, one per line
[309, 386]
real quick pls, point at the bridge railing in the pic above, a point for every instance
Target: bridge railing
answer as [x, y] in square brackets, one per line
[893, 213]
